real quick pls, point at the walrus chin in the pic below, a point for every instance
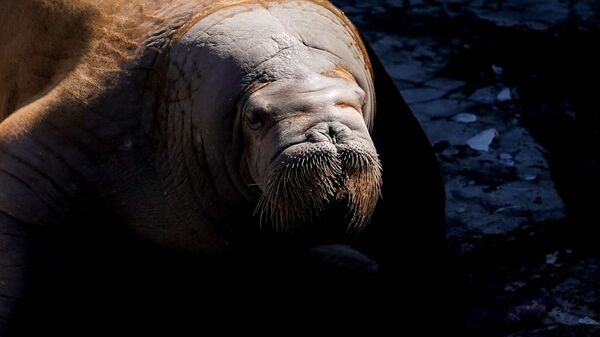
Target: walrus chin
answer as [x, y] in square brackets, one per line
[305, 181]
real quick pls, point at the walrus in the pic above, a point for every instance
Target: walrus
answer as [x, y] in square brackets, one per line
[148, 147]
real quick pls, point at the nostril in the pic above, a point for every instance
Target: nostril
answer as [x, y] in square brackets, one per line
[332, 134]
[317, 135]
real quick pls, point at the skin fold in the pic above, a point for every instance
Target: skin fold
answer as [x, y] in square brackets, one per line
[289, 101]
[195, 145]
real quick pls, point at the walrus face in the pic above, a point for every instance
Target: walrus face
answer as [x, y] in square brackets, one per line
[307, 145]
[274, 95]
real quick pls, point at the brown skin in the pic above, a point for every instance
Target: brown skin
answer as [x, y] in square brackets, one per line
[304, 156]
[261, 87]
[117, 183]
[128, 131]
[59, 43]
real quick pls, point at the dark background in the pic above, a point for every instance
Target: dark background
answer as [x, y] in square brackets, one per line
[507, 91]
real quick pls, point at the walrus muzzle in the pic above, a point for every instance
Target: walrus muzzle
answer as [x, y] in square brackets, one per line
[311, 176]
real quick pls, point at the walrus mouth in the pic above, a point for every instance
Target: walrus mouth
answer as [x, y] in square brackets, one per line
[304, 182]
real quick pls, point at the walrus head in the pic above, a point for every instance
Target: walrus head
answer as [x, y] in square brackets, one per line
[307, 145]
[295, 82]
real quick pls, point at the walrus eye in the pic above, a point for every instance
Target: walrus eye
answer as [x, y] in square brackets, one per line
[254, 119]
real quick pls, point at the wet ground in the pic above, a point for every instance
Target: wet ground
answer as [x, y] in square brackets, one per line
[507, 93]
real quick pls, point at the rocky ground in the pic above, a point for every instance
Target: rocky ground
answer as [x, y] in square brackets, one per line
[501, 89]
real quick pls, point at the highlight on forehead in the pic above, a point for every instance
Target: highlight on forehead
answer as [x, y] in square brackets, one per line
[351, 30]
[356, 45]
[215, 6]
[340, 72]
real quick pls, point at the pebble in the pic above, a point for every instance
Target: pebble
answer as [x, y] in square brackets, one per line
[504, 95]
[587, 321]
[497, 70]
[408, 72]
[551, 258]
[485, 95]
[506, 159]
[422, 95]
[440, 107]
[528, 176]
[483, 140]
[444, 83]
[464, 118]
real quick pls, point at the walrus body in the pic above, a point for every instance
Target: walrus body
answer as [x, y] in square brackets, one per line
[148, 146]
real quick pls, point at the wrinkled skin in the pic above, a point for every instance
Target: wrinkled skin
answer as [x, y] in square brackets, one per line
[161, 182]
[297, 101]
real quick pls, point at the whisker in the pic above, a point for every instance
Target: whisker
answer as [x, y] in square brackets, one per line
[301, 187]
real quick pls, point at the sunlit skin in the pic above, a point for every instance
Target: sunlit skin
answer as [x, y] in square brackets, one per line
[309, 147]
[190, 125]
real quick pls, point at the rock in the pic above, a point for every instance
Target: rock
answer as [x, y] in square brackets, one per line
[506, 195]
[403, 85]
[504, 95]
[559, 316]
[505, 207]
[440, 108]
[444, 83]
[442, 130]
[408, 72]
[464, 118]
[551, 258]
[491, 319]
[503, 18]
[514, 286]
[485, 95]
[578, 293]
[422, 95]
[587, 321]
[528, 176]
[506, 159]
[497, 70]
[527, 153]
[483, 140]
[530, 310]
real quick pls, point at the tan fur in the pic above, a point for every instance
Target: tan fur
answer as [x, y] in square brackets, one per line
[72, 47]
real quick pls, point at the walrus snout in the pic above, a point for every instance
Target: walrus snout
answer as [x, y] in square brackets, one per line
[331, 164]
[332, 132]
[308, 146]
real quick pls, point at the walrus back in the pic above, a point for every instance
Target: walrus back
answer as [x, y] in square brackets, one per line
[43, 41]
[79, 44]
[51, 43]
